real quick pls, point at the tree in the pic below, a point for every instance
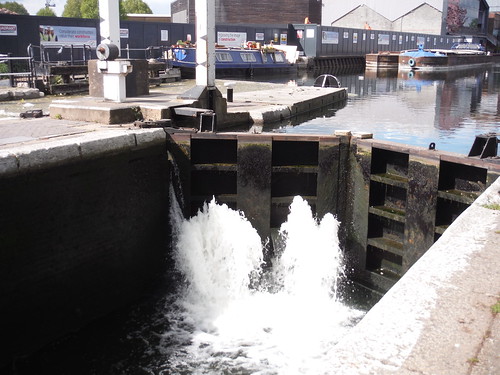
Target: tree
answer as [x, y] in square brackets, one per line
[455, 18]
[72, 8]
[15, 7]
[48, 12]
[90, 9]
[136, 7]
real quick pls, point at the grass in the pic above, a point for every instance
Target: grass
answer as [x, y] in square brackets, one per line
[495, 309]
[473, 360]
[492, 206]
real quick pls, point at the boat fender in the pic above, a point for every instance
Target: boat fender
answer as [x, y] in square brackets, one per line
[411, 62]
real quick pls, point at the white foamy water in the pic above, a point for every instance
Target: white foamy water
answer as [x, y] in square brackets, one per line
[232, 317]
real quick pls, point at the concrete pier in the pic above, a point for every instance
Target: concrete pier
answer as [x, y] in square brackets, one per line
[261, 107]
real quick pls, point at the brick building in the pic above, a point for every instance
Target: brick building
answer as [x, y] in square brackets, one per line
[252, 12]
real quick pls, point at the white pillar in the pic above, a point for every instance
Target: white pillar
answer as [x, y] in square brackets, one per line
[109, 13]
[205, 43]
[113, 79]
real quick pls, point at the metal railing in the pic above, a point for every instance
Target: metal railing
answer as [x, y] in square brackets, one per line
[16, 71]
[57, 53]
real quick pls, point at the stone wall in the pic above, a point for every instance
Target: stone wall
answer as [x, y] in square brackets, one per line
[82, 233]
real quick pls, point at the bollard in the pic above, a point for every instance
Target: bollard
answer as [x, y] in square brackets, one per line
[229, 86]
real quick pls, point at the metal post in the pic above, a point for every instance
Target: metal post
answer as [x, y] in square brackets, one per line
[11, 78]
[110, 22]
[205, 43]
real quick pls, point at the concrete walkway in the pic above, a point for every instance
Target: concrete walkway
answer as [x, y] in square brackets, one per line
[439, 318]
[260, 103]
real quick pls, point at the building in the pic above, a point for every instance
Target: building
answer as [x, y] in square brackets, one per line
[252, 12]
[465, 17]
[454, 17]
[462, 18]
[423, 19]
[494, 24]
[334, 10]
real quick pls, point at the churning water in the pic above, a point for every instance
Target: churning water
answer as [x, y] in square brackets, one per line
[234, 316]
[229, 306]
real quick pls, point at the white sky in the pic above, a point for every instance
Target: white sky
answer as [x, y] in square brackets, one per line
[33, 6]
[336, 8]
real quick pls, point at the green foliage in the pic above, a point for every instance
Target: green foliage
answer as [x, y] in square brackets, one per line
[48, 12]
[90, 9]
[136, 7]
[72, 9]
[495, 309]
[492, 206]
[473, 360]
[15, 7]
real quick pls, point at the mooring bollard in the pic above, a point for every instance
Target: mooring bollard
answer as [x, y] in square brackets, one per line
[229, 86]
[113, 71]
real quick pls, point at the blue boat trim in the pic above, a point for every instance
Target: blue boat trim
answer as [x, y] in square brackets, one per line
[235, 60]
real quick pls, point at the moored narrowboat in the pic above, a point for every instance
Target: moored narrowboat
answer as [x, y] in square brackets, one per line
[235, 61]
[458, 57]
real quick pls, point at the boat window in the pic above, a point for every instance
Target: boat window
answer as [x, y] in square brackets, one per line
[223, 56]
[278, 57]
[248, 57]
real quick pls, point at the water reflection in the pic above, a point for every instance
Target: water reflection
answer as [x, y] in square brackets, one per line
[417, 108]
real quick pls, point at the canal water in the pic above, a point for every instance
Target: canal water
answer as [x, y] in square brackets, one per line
[230, 312]
[415, 108]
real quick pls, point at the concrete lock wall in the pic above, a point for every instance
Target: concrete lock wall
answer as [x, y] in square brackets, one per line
[403, 199]
[83, 231]
[84, 224]
[393, 201]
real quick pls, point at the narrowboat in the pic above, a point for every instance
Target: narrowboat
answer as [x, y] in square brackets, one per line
[460, 56]
[234, 61]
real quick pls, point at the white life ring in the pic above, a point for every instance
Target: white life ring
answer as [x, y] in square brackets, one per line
[412, 62]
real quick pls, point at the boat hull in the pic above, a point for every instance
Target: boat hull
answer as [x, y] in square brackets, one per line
[189, 72]
[447, 62]
[382, 60]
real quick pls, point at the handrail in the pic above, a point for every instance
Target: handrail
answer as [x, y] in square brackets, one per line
[8, 59]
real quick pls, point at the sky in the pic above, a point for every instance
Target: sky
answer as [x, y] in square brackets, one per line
[33, 6]
[339, 8]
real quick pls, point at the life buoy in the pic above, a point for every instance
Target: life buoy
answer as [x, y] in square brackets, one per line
[180, 54]
[412, 62]
[249, 44]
